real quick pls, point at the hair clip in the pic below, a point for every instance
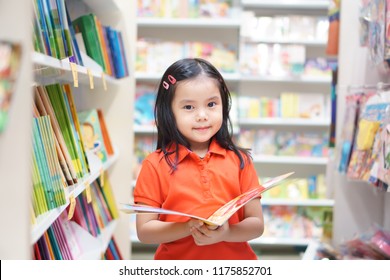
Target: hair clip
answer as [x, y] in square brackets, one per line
[171, 79]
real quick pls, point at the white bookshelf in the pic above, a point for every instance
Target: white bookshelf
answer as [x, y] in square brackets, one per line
[18, 234]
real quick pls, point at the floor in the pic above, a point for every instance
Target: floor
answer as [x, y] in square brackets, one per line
[146, 252]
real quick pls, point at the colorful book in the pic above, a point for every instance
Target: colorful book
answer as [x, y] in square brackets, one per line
[105, 133]
[221, 215]
[86, 25]
[92, 133]
[116, 51]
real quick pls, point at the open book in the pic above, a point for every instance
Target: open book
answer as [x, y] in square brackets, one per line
[220, 216]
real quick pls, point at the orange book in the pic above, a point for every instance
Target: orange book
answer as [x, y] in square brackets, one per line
[103, 45]
[105, 134]
[48, 244]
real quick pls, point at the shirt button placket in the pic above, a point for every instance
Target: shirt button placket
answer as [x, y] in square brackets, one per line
[205, 180]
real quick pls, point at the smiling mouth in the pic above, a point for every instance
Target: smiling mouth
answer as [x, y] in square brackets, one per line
[202, 128]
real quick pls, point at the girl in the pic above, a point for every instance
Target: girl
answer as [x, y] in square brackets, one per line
[196, 169]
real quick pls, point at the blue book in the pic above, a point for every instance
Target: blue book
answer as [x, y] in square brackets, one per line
[114, 43]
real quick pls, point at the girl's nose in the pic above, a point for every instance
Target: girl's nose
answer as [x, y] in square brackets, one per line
[202, 116]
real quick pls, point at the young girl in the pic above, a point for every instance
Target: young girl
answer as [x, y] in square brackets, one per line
[196, 169]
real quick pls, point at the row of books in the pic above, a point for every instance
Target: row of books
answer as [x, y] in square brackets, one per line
[52, 29]
[289, 27]
[10, 55]
[275, 60]
[272, 142]
[61, 139]
[282, 60]
[312, 187]
[295, 221]
[93, 212]
[364, 150]
[288, 105]
[104, 44]
[184, 8]
[154, 55]
[55, 34]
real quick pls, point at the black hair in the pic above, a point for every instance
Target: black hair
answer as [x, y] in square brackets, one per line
[168, 135]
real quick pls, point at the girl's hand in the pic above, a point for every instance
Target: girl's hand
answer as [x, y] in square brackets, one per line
[206, 235]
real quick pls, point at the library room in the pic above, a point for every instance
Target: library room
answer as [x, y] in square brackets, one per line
[113, 115]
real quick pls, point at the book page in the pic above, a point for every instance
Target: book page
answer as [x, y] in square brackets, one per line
[220, 216]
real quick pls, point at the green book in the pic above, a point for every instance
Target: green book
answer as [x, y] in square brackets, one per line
[57, 100]
[43, 169]
[56, 175]
[86, 25]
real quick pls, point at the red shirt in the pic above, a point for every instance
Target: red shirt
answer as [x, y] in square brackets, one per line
[199, 187]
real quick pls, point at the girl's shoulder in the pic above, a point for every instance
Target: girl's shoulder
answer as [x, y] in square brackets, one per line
[154, 156]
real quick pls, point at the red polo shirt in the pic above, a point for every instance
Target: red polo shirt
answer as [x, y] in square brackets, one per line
[199, 187]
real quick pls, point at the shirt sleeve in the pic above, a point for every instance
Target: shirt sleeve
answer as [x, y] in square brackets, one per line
[248, 176]
[148, 188]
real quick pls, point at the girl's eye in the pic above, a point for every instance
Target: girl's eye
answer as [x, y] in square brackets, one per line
[188, 107]
[212, 104]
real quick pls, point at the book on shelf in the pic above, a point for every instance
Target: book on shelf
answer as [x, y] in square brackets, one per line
[86, 25]
[115, 43]
[105, 133]
[95, 215]
[48, 184]
[112, 252]
[221, 215]
[92, 133]
[44, 108]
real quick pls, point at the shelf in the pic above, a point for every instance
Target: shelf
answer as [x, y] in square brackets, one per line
[309, 43]
[189, 22]
[157, 76]
[50, 68]
[145, 129]
[290, 160]
[282, 241]
[283, 122]
[247, 78]
[297, 202]
[93, 247]
[45, 220]
[301, 80]
[287, 4]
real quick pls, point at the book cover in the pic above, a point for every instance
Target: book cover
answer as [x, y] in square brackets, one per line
[57, 99]
[114, 43]
[86, 25]
[105, 133]
[43, 107]
[220, 216]
[92, 133]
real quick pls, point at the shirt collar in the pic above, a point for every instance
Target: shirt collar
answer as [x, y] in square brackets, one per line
[214, 148]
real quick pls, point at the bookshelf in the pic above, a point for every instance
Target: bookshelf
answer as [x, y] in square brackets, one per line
[229, 31]
[358, 205]
[271, 84]
[113, 96]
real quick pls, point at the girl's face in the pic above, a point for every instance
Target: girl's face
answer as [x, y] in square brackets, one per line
[197, 107]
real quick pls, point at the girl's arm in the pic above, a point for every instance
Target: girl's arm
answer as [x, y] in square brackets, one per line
[250, 227]
[152, 231]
